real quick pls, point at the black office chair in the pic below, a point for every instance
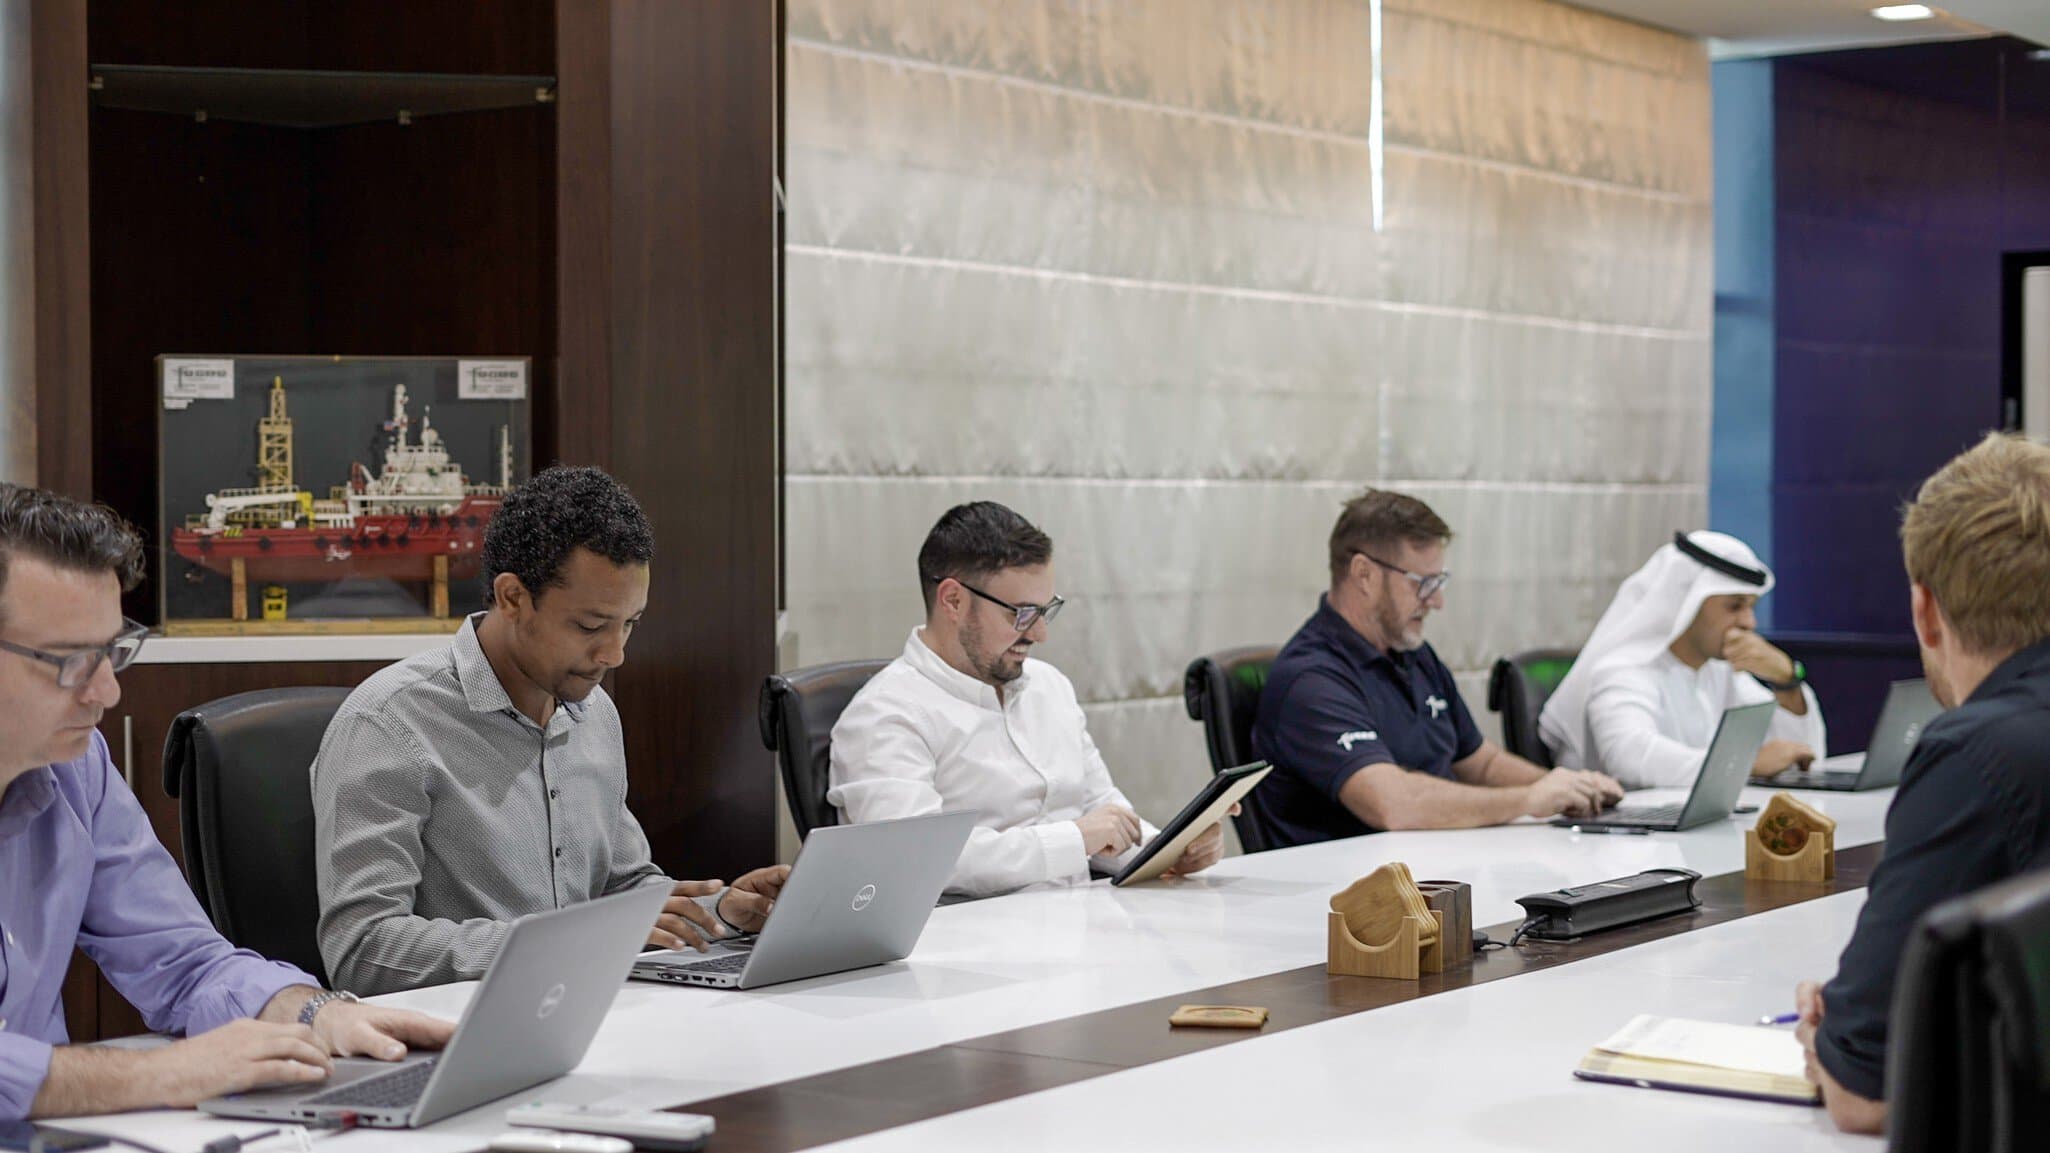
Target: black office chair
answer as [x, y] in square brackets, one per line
[1968, 1044]
[239, 767]
[1518, 688]
[797, 712]
[1222, 690]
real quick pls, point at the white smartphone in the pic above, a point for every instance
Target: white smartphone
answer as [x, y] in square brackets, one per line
[669, 1132]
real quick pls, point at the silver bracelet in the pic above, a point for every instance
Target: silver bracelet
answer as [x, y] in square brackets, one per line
[319, 1000]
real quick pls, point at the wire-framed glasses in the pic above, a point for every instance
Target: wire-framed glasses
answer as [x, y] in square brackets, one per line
[74, 669]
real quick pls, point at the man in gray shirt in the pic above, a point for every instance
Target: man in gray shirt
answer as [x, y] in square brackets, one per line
[469, 786]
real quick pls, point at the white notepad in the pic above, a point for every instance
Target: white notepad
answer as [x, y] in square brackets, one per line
[1703, 1057]
[1745, 1048]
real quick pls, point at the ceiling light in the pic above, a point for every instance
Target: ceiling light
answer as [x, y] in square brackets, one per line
[1904, 12]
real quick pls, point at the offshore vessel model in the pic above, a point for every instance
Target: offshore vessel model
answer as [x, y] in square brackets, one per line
[417, 519]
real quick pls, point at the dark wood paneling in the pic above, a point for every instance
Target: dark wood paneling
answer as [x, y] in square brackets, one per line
[573, 420]
[201, 241]
[151, 697]
[693, 414]
[867, 1098]
[63, 308]
[481, 36]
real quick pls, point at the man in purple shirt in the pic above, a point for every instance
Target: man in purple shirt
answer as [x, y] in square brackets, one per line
[80, 867]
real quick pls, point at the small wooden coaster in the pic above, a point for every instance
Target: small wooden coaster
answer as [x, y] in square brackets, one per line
[1219, 1016]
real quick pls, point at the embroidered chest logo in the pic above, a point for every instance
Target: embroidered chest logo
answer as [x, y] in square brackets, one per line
[1348, 740]
[1437, 706]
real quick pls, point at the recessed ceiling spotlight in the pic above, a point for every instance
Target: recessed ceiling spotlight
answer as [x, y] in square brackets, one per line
[1904, 12]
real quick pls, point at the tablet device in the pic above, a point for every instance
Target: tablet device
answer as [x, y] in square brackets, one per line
[1218, 796]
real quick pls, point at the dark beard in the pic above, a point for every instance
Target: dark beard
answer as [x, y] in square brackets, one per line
[992, 668]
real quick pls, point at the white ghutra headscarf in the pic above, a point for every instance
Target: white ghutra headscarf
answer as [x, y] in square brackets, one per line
[1652, 608]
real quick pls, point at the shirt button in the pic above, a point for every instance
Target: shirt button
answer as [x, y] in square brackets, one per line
[554, 794]
[558, 854]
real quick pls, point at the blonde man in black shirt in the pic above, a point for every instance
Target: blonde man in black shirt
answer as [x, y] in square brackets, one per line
[1974, 800]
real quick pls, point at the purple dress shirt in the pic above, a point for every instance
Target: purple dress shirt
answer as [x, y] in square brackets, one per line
[79, 865]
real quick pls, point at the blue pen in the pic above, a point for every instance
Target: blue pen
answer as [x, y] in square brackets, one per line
[1782, 1019]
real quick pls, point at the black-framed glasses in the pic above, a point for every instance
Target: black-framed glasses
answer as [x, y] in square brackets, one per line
[75, 669]
[1027, 615]
[1426, 586]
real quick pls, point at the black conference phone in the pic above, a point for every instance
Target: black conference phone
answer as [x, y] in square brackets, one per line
[1567, 914]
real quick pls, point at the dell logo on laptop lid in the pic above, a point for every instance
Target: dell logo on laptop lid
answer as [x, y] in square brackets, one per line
[862, 898]
[550, 1002]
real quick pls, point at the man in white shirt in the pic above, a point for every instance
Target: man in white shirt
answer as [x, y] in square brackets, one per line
[966, 720]
[1677, 647]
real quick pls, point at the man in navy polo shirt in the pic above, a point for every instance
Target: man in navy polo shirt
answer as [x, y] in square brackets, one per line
[1363, 722]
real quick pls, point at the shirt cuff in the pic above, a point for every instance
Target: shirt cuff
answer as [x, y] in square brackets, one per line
[1854, 1075]
[1060, 850]
[242, 991]
[24, 1066]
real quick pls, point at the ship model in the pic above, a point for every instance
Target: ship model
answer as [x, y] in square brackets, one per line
[417, 519]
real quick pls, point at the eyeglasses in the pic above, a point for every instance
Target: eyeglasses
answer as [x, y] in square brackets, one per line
[1027, 615]
[75, 669]
[1426, 586]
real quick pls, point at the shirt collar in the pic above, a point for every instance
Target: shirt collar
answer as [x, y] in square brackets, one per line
[26, 798]
[920, 656]
[2018, 665]
[1341, 633]
[479, 680]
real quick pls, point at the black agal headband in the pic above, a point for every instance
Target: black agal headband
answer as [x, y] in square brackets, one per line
[1723, 565]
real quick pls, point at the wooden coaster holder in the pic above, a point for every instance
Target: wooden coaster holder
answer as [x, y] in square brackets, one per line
[1381, 926]
[1765, 857]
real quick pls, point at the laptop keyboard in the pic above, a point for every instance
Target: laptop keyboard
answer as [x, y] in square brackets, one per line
[398, 1089]
[730, 963]
[1648, 815]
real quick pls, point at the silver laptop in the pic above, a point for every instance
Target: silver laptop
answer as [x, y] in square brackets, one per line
[858, 895]
[1909, 708]
[1724, 769]
[530, 1021]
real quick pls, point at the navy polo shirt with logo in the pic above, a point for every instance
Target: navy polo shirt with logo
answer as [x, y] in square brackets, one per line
[1334, 704]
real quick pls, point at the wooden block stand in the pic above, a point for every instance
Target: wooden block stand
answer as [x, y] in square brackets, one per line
[1382, 926]
[1399, 958]
[1814, 862]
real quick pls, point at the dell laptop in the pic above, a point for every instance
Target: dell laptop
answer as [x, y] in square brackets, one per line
[532, 1017]
[1909, 708]
[858, 895]
[1724, 770]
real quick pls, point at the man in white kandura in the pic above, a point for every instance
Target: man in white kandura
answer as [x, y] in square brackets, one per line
[1677, 646]
[964, 720]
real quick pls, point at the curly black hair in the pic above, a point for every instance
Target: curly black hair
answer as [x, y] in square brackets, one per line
[559, 511]
[972, 541]
[68, 533]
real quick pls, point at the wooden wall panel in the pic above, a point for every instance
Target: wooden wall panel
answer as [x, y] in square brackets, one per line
[693, 413]
[573, 420]
[63, 323]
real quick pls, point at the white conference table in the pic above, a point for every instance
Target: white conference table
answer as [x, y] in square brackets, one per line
[1482, 1068]
[1048, 954]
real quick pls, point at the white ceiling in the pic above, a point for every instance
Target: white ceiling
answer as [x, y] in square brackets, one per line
[1775, 27]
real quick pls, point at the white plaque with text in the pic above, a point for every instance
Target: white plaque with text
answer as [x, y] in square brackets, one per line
[491, 379]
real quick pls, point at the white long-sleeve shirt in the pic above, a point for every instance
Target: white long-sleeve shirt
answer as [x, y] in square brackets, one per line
[923, 737]
[1652, 723]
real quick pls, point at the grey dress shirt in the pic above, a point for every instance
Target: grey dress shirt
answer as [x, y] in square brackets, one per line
[442, 814]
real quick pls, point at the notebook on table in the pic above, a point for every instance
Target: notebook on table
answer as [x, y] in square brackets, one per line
[1750, 1061]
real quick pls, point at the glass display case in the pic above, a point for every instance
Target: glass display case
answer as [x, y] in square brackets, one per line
[321, 494]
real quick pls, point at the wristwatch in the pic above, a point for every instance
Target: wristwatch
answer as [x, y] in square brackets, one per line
[1800, 676]
[315, 1003]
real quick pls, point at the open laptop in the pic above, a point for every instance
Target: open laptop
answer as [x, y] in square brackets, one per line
[858, 895]
[1724, 769]
[1909, 708]
[531, 1019]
